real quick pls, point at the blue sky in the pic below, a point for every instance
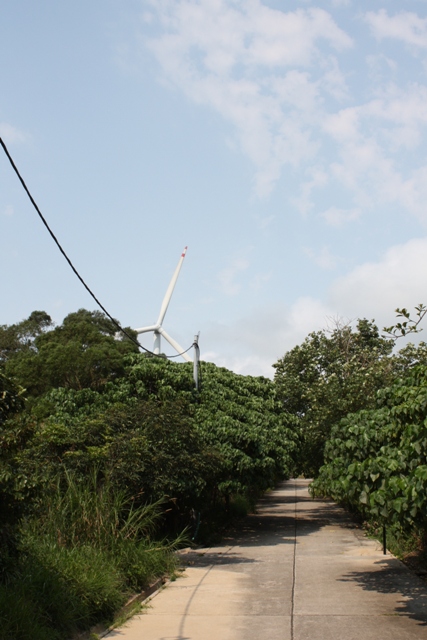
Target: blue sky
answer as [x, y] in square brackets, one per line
[283, 142]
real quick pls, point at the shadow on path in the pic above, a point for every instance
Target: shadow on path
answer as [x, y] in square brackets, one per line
[392, 577]
[275, 524]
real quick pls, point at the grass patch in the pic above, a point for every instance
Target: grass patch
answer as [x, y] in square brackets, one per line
[80, 560]
[410, 547]
[20, 616]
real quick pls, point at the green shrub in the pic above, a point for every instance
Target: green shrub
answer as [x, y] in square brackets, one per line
[376, 460]
[73, 587]
[239, 506]
[80, 559]
[20, 617]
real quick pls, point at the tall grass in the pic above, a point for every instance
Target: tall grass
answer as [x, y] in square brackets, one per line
[21, 617]
[81, 558]
[94, 512]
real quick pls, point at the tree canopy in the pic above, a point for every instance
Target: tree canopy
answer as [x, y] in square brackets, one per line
[331, 374]
[376, 459]
[79, 353]
[136, 418]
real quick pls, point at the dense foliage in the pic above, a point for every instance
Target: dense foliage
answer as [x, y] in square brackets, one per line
[105, 432]
[362, 414]
[376, 460]
[113, 449]
[11, 397]
[80, 353]
[152, 434]
[331, 374]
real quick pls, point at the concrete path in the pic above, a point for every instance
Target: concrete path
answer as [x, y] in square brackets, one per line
[298, 570]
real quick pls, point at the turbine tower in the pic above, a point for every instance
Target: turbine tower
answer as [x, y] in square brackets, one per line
[157, 328]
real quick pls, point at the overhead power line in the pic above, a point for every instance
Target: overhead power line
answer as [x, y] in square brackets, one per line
[54, 238]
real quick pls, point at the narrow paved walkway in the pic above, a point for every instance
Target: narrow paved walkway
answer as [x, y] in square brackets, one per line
[299, 570]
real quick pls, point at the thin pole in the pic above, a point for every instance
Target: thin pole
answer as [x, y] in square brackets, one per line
[196, 361]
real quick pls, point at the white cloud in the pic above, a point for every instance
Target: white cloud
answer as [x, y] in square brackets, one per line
[8, 210]
[255, 341]
[263, 222]
[249, 365]
[11, 134]
[228, 277]
[343, 125]
[399, 106]
[322, 258]
[405, 26]
[375, 289]
[370, 139]
[318, 177]
[275, 77]
[334, 80]
[339, 217]
[237, 58]
[380, 67]
[307, 314]
[260, 280]
[414, 193]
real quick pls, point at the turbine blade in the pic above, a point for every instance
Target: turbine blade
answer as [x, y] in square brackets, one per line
[153, 327]
[170, 289]
[175, 345]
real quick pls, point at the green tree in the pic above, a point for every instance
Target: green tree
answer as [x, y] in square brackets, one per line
[329, 375]
[16, 339]
[152, 433]
[11, 397]
[11, 402]
[81, 352]
[376, 459]
[242, 417]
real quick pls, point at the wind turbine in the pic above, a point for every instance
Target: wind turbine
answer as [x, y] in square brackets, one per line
[157, 328]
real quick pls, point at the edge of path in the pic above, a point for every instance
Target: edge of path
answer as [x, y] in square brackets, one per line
[101, 630]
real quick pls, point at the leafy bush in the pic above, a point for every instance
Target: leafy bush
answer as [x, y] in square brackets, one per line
[153, 436]
[242, 418]
[377, 459]
[331, 374]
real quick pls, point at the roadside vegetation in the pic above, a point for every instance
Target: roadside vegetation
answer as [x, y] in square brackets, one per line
[376, 464]
[362, 419]
[106, 457]
[110, 459]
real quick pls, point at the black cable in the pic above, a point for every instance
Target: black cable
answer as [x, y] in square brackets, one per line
[113, 320]
[179, 354]
[33, 202]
